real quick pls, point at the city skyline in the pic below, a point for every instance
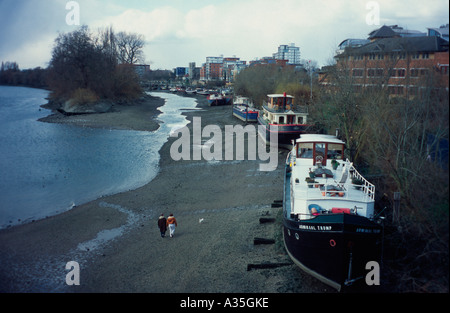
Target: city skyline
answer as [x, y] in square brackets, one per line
[178, 32]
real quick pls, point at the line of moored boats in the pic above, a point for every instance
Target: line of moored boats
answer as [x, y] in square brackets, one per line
[330, 227]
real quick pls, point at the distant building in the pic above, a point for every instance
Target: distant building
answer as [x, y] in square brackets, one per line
[231, 67]
[221, 69]
[290, 53]
[181, 72]
[211, 70]
[351, 43]
[194, 72]
[393, 59]
[269, 61]
[141, 69]
[394, 31]
[441, 32]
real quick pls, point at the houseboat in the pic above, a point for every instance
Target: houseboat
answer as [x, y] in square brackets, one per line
[227, 96]
[330, 229]
[215, 99]
[244, 109]
[281, 116]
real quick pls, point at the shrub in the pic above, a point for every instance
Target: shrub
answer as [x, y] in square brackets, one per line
[83, 96]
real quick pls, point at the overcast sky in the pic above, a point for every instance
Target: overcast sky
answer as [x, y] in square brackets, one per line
[181, 31]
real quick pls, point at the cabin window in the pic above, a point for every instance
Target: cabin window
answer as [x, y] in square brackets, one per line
[281, 120]
[305, 150]
[335, 151]
[300, 120]
[320, 149]
[319, 153]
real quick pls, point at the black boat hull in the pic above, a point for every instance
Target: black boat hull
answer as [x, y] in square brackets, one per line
[285, 133]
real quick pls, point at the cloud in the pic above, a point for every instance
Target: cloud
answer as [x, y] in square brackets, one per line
[178, 32]
[255, 28]
[33, 53]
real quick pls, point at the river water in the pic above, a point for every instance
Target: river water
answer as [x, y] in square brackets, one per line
[46, 169]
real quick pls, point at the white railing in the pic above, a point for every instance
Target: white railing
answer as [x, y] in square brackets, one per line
[330, 188]
[367, 187]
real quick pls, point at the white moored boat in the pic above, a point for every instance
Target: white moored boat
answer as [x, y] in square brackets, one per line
[329, 224]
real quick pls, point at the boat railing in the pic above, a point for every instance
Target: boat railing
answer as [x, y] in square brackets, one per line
[366, 186]
[278, 109]
[330, 188]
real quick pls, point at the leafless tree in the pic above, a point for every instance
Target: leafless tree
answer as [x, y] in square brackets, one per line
[129, 47]
[86, 63]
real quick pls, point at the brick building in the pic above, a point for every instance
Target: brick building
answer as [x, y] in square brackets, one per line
[400, 64]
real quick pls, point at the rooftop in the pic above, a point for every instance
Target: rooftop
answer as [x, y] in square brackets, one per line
[319, 138]
[402, 44]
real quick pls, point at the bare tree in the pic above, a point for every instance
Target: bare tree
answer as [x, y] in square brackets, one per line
[86, 64]
[129, 47]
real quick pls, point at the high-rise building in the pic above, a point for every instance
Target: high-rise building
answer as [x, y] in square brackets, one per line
[291, 53]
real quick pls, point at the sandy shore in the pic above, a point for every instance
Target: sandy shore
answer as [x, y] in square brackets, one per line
[116, 242]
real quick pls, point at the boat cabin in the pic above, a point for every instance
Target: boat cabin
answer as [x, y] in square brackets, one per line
[280, 102]
[280, 109]
[320, 149]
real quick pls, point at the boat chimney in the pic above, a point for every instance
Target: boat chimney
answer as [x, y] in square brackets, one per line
[337, 132]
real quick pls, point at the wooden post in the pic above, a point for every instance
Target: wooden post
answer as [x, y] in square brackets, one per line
[396, 212]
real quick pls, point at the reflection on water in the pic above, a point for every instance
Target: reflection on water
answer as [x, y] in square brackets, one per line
[47, 168]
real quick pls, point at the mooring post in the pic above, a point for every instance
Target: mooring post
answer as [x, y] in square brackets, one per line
[396, 213]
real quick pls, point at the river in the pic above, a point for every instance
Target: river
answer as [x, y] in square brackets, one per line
[46, 169]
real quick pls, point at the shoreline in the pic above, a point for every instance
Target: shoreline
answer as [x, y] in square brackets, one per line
[116, 241]
[138, 115]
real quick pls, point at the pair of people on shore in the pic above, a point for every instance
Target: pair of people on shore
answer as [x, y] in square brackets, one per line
[164, 223]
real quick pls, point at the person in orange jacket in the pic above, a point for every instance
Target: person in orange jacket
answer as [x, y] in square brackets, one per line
[171, 223]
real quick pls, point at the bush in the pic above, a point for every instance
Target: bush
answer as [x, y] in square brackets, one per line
[83, 96]
[126, 82]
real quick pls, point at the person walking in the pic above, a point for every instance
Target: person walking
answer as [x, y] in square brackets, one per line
[172, 224]
[162, 224]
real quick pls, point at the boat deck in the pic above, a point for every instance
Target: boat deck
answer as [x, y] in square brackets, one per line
[331, 190]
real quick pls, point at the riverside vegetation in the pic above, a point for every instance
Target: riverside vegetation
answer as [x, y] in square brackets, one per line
[393, 139]
[87, 72]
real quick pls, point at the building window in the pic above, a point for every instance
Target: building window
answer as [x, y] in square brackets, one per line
[395, 90]
[425, 55]
[397, 72]
[415, 56]
[381, 56]
[375, 72]
[358, 72]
